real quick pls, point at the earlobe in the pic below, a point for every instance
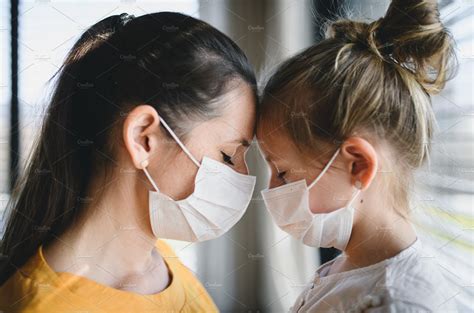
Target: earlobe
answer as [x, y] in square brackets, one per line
[138, 128]
[363, 161]
[144, 164]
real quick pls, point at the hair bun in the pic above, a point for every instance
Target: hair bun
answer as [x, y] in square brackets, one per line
[410, 34]
[348, 30]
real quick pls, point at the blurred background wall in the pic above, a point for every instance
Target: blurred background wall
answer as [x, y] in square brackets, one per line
[254, 267]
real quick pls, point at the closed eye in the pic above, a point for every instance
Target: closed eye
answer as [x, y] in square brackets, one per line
[227, 158]
[281, 175]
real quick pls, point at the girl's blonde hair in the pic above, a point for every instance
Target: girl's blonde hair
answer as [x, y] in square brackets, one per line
[373, 78]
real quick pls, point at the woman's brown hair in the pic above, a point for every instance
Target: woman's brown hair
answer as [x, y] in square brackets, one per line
[178, 64]
[366, 78]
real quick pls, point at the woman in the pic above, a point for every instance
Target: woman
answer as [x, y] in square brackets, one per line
[343, 126]
[145, 111]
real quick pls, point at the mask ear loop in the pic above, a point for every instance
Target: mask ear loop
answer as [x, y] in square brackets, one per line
[180, 143]
[325, 168]
[358, 186]
[145, 162]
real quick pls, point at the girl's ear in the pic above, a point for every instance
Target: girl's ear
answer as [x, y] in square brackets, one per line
[362, 161]
[140, 130]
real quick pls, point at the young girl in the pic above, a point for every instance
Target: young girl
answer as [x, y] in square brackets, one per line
[146, 110]
[343, 125]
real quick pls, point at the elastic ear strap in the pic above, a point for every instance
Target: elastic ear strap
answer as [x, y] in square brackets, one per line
[325, 168]
[180, 143]
[353, 198]
[151, 179]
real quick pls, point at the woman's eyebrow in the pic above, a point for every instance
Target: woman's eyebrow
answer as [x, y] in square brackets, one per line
[242, 141]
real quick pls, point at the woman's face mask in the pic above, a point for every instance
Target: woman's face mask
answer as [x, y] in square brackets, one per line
[220, 198]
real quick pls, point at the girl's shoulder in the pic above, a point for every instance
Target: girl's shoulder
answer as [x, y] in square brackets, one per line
[418, 281]
[411, 281]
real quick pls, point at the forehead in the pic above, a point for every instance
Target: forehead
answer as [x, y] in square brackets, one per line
[274, 143]
[238, 112]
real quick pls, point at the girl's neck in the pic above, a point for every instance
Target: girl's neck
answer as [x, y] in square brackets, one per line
[379, 233]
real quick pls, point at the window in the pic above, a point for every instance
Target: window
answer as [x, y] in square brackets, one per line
[5, 95]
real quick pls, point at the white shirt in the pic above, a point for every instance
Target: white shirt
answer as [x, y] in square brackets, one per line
[411, 281]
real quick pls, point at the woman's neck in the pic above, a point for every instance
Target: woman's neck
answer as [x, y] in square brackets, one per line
[112, 241]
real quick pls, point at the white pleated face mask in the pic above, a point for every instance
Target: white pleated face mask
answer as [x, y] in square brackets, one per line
[289, 208]
[220, 198]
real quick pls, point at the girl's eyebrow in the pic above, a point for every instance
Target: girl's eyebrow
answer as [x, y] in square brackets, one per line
[269, 160]
[275, 165]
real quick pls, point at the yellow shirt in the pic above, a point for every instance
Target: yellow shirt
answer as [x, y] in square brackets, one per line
[35, 287]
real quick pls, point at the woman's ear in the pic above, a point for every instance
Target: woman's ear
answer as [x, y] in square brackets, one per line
[362, 160]
[139, 134]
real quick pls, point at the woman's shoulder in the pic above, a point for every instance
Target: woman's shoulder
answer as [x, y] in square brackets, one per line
[12, 293]
[35, 288]
[165, 249]
[31, 288]
[198, 299]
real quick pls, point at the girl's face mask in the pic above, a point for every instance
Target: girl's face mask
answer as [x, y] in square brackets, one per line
[289, 208]
[220, 198]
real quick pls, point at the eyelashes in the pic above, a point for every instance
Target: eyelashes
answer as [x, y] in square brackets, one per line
[227, 158]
